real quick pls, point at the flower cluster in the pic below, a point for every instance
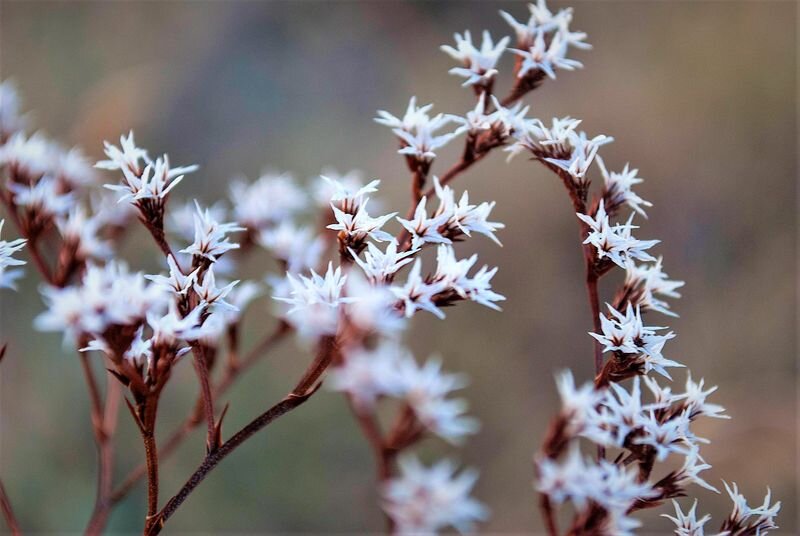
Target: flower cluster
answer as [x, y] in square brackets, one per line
[7, 249]
[349, 277]
[743, 519]
[417, 132]
[424, 500]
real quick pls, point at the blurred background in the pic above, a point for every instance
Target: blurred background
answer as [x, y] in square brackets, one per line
[699, 96]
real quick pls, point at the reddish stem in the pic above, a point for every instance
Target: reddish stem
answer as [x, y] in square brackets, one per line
[191, 422]
[201, 366]
[548, 514]
[8, 512]
[304, 389]
[104, 418]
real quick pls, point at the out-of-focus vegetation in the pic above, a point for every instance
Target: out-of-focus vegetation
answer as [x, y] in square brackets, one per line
[699, 96]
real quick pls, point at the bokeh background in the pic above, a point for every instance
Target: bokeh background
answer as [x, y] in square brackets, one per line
[700, 96]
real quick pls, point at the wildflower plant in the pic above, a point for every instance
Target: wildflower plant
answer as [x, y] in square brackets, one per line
[347, 287]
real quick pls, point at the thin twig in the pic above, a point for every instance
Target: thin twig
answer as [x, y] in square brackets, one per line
[201, 366]
[193, 420]
[8, 512]
[304, 389]
[151, 457]
[548, 514]
[103, 418]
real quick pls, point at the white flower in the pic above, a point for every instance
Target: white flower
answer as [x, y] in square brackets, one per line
[241, 296]
[153, 181]
[171, 328]
[177, 282]
[583, 152]
[479, 64]
[347, 193]
[580, 481]
[615, 242]
[7, 249]
[694, 400]
[181, 220]
[139, 353]
[545, 57]
[665, 437]
[367, 375]
[269, 200]
[452, 274]
[380, 266]
[74, 168]
[28, 157]
[740, 521]
[298, 247]
[126, 157]
[689, 473]
[373, 307]
[357, 227]
[11, 121]
[417, 294]
[213, 296]
[510, 121]
[424, 500]
[533, 135]
[426, 388]
[417, 130]
[477, 120]
[315, 301]
[331, 185]
[83, 231]
[107, 212]
[424, 229]
[542, 20]
[687, 524]
[646, 282]
[107, 296]
[464, 217]
[623, 412]
[579, 405]
[626, 333]
[43, 197]
[618, 192]
[210, 236]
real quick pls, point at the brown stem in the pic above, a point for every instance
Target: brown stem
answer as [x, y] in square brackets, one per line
[38, 260]
[304, 389]
[8, 512]
[103, 425]
[201, 366]
[548, 514]
[192, 421]
[594, 302]
[151, 456]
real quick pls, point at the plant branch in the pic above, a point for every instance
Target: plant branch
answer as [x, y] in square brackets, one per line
[151, 456]
[8, 512]
[104, 419]
[193, 420]
[201, 366]
[305, 388]
[548, 514]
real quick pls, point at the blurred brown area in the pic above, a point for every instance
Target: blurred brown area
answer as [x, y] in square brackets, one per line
[701, 97]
